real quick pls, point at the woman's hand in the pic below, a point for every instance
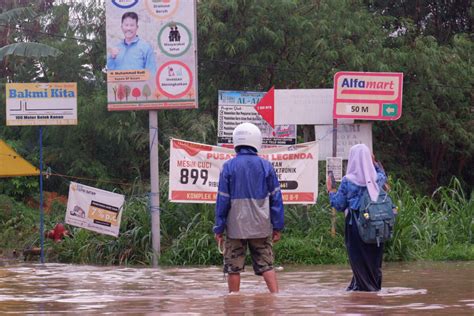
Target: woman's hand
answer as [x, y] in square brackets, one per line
[219, 238]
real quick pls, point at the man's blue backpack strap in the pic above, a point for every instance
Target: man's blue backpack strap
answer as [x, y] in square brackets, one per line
[376, 219]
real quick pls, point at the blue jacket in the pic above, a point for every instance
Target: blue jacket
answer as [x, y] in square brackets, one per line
[249, 201]
[348, 195]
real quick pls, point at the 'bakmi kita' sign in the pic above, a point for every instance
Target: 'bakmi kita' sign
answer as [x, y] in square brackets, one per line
[41, 103]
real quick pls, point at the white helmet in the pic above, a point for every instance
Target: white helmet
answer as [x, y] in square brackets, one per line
[247, 134]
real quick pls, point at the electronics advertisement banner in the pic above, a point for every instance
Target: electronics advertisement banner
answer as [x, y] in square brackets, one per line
[194, 171]
[94, 209]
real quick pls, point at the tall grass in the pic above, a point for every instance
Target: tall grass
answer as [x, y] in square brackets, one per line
[436, 227]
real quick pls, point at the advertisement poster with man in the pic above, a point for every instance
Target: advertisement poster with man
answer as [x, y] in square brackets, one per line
[151, 54]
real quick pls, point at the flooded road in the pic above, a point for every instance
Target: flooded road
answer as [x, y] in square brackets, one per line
[410, 288]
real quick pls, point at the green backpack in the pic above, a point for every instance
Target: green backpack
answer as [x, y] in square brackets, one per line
[376, 219]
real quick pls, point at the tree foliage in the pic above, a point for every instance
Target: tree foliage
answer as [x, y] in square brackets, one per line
[441, 19]
[253, 45]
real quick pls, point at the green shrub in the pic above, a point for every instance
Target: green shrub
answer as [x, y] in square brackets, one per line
[437, 227]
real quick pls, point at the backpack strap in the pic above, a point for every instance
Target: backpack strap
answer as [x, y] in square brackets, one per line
[363, 198]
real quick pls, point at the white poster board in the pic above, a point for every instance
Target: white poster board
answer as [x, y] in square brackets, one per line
[236, 107]
[94, 209]
[194, 171]
[305, 106]
[348, 135]
[334, 166]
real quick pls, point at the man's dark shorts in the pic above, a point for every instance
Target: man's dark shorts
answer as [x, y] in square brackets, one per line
[261, 250]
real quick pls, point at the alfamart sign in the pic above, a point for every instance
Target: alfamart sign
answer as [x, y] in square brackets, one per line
[41, 103]
[368, 95]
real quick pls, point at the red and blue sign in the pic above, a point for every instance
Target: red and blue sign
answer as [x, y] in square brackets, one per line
[368, 95]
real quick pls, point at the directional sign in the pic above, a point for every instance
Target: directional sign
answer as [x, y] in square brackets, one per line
[237, 107]
[297, 106]
[368, 95]
[266, 107]
[53, 103]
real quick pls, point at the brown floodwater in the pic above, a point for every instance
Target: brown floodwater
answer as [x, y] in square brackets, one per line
[420, 288]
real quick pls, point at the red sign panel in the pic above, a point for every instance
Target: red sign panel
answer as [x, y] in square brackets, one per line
[368, 95]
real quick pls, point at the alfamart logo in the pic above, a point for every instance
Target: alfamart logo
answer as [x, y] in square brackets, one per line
[125, 4]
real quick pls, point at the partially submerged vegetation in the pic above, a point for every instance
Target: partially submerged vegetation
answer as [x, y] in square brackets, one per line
[437, 227]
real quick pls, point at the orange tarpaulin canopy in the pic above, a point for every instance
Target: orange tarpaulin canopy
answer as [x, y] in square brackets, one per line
[13, 165]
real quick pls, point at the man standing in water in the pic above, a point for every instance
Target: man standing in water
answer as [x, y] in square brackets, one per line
[249, 209]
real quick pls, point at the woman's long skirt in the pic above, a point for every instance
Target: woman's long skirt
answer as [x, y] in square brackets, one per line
[365, 259]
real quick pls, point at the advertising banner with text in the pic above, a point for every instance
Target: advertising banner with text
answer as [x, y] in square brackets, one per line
[194, 171]
[237, 107]
[49, 103]
[94, 209]
[151, 54]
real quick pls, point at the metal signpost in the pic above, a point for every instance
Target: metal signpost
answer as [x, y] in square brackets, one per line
[366, 96]
[41, 104]
[163, 78]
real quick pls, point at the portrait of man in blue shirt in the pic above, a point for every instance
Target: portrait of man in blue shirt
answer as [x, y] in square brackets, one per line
[132, 52]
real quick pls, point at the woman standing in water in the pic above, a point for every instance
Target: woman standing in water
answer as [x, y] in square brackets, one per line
[363, 173]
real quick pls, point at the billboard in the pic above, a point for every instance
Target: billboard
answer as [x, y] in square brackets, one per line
[94, 209]
[41, 103]
[237, 107]
[151, 54]
[194, 171]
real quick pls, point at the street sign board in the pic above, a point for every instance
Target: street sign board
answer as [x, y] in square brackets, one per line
[48, 103]
[298, 106]
[368, 95]
[237, 107]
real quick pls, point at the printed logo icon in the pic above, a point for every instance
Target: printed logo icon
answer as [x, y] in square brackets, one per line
[125, 4]
[174, 39]
[390, 109]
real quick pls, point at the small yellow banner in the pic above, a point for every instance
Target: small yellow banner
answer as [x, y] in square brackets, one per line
[13, 165]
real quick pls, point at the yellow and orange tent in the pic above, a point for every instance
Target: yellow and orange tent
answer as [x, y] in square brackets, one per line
[13, 165]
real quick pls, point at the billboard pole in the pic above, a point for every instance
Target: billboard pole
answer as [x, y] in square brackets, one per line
[334, 154]
[154, 187]
[41, 195]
